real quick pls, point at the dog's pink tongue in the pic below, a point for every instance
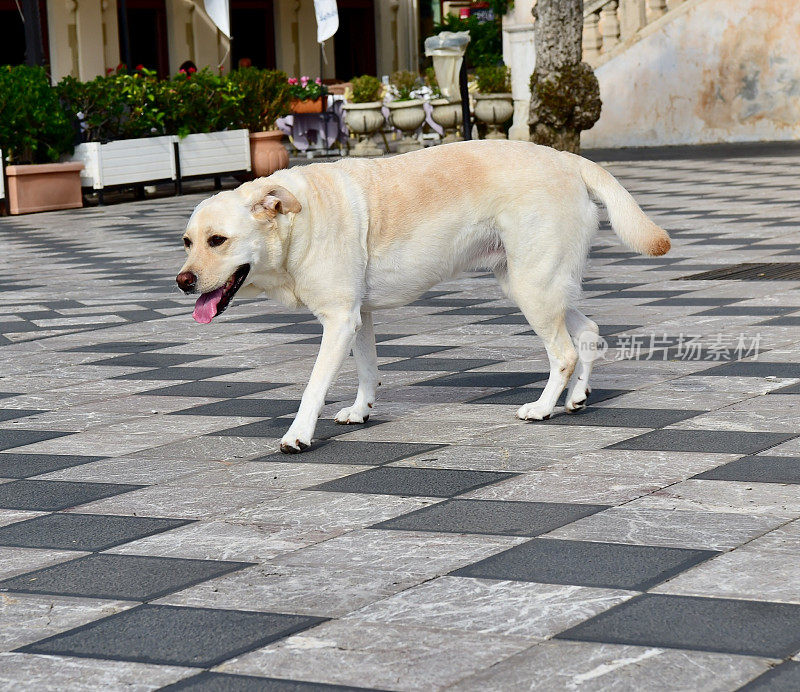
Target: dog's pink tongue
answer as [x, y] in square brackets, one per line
[206, 306]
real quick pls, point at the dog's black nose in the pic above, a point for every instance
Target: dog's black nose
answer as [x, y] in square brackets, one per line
[186, 281]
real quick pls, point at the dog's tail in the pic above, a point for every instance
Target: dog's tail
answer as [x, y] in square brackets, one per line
[629, 222]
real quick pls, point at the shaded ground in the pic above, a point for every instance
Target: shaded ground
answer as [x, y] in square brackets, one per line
[149, 532]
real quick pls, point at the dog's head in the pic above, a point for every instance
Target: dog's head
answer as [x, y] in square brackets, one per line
[226, 236]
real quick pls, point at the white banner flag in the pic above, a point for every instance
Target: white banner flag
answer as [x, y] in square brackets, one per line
[218, 11]
[327, 19]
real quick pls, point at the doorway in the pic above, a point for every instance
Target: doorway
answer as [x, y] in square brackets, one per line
[354, 43]
[147, 32]
[253, 30]
[12, 33]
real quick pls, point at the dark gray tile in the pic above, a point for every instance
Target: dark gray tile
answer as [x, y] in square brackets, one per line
[129, 577]
[51, 496]
[788, 321]
[638, 295]
[491, 517]
[587, 563]
[782, 678]
[9, 439]
[690, 301]
[14, 413]
[218, 390]
[275, 318]
[83, 531]
[408, 351]
[179, 373]
[752, 369]
[171, 635]
[791, 389]
[514, 319]
[276, 427]
[397, 480]
[712, 441]
[426, 364]
[221, 682]
[524, 395]
[751, 628]
[24, 465]
[359, 453]
[748, 310]
[257, 408]
[296, 328]
[624, 417]
[484, 379]
[756, 469]
[478, 310]
[124, 347]
[151, 360]
[448, 302]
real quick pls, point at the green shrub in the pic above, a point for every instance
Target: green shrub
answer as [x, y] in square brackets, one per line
[403, 83]
[33, 126]
[366, 89]
[201, 102]
[495, 79]
[265, 97]
[485, 45]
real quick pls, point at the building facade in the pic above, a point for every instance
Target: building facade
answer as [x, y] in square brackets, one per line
[82, 38]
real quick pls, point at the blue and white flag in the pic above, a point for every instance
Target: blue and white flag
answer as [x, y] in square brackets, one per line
[327, 19]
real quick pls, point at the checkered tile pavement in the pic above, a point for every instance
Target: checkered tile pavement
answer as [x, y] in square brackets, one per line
[150, 536]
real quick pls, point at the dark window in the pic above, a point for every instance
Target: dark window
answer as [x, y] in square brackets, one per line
[12, 33]
[354, 43]
[147, 32]
[253, 32]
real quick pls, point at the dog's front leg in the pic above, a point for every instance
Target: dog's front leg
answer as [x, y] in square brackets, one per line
[367, 367]
[337, 337]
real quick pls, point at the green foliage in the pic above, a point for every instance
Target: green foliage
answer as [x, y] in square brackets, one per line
[125, 105]
[494, 79]
[485, 45]
[366, 89]
[265, 97]
[306, 88]
[432, 82]
[33, 126]
[501, 7]
[403, 83]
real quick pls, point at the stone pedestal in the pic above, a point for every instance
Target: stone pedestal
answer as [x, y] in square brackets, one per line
[519, 53]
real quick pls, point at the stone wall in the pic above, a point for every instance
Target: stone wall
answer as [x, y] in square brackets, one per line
[709, 71]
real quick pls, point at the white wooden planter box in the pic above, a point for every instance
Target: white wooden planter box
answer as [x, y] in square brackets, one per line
[210, 153]
[126, 161]
[2, 179]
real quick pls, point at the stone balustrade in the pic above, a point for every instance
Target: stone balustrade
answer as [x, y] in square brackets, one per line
[607, 23]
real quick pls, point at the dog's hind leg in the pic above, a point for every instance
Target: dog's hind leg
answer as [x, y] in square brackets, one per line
[549, 323]
[585, 336]
[367, 367]
[337, 337]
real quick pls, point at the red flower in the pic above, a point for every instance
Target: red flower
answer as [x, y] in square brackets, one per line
[109, 70]
[139, 67]
[192, 70]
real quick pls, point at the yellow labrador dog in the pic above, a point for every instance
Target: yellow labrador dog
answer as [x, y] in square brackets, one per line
[344, 239]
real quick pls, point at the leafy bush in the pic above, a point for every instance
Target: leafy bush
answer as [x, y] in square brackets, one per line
[494, 80]
[33, 126]
[266, 96]
[403, 83]
[366, 89]
[123, 106]
[432, 82]
[485, 45]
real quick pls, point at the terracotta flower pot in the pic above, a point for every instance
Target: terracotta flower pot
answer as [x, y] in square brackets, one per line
[309, 106]
[364, 120]
[44, 187]
[267, 154]
[494, 110]
[407, 116]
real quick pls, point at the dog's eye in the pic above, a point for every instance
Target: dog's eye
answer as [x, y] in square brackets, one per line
[187, 243]
[216, 240]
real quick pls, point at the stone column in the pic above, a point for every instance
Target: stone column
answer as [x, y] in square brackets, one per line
[519, 54]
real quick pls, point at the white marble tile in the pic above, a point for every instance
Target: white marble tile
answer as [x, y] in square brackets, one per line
[14, 561]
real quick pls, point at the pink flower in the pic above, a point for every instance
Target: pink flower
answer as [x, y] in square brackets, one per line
[304, 81]
[318, 81]
[292, 80]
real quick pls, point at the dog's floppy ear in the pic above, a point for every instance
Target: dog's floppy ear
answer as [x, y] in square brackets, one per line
[273, 201]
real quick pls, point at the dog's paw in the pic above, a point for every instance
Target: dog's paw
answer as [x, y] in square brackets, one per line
[577, 400]
[294, 446]
[351, 416]
[533, 411]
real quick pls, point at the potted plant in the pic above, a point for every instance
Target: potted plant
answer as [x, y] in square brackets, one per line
[363, 113]
[34, 133]
[493, 103]
[308, 96]
[266, 97]
[445, 113]
[123, 119]
[406, 112]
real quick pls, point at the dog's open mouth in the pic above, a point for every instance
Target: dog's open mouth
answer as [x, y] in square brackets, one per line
[213, 303]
